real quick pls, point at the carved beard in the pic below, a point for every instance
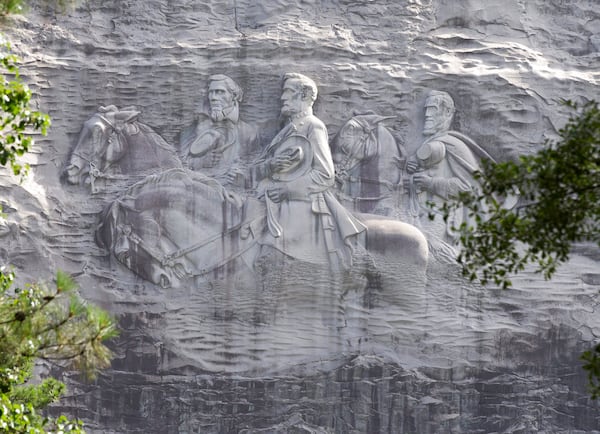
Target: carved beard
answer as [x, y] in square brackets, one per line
[219, 114]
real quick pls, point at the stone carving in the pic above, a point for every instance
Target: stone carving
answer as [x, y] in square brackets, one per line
[219, 143]
[113, 145]
[180, 224]
[366, 158]
[442, 167]
[175, 226]
[305, 220]
[236, 251]
[468, 360]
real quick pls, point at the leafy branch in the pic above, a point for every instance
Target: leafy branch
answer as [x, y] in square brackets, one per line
[559, 205]
[17, 121]
[39, 322]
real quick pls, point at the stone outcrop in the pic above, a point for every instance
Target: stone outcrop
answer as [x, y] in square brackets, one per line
[272, 345]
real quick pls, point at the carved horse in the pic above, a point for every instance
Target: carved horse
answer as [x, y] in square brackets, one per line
[366, 157]
[368, 165]
[113, 146]
[173, 226]
[177, 225]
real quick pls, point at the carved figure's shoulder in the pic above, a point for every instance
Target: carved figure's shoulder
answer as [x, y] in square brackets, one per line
[462, 141]
[453, 141]
[248, 129]
[316, 123]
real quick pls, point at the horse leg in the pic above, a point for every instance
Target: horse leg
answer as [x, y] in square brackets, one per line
[397, 239]
[396, 280]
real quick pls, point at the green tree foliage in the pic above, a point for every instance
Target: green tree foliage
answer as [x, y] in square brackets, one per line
[39, 322]
[54, 324]
[559, 205]
[11, 7]
[17, 121]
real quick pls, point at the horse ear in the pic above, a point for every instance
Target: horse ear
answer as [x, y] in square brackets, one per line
[125, 116]
[356, 113]
[108, 109]
[369, 120]
[377, 119]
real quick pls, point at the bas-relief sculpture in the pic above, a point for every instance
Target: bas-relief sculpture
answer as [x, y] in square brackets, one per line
[114, 146]
[473, 359]
[366, 157]
[219, 143]
[304, 219]
[376, 175]
[229, 215]
[441, 168]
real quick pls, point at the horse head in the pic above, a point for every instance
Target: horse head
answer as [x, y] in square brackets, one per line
[366, 158]
[101, 143]
[359, 140]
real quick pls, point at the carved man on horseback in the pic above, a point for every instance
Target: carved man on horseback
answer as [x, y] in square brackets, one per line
[304, 219]
[219, 143]
[441, 168]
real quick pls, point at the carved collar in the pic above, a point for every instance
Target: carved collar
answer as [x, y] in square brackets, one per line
[297, 118]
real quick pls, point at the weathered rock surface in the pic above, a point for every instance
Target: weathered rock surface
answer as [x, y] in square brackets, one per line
[302, 353]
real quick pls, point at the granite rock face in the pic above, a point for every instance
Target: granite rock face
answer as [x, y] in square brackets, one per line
[397, 342]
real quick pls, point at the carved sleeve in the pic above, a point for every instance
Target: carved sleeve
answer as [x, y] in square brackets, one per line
[452, 169]
[321, 176]
[448, 187]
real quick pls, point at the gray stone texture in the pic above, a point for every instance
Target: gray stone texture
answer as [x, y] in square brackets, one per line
[288, 347]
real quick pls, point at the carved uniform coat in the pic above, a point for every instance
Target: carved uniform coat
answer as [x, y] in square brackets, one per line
[310, 224]
[216, 147]
[450, 163]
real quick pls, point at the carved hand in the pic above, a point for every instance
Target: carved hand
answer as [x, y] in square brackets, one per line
[278, 194]
[412, 166]
[341, 176]
[234, 175]
[422, 181]
[281, 163]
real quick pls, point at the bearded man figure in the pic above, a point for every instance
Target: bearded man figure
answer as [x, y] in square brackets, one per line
[219, 143]
[304, 219]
